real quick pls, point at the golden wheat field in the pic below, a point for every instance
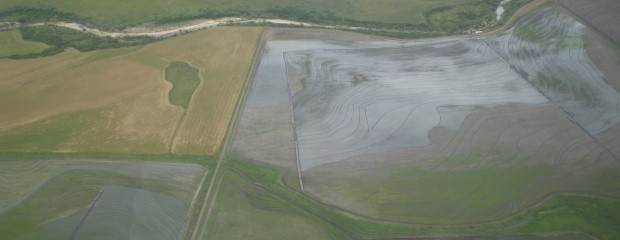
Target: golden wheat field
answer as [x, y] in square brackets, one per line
[116, 100]
[224, 66]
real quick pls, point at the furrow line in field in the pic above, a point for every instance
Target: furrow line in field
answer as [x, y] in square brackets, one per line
[77, 228]
[295, 141]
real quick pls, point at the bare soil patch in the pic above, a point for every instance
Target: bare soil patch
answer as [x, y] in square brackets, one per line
[266, 135]
[601, 14]
[606, 55]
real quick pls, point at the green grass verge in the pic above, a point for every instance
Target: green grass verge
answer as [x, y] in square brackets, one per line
[185, 80]
[244, 211]
[595, 216]
[11, 43]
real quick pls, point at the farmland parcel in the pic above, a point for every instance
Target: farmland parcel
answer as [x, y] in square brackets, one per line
[118, 100]
[342, 136]
[438, 131]
[95, 199]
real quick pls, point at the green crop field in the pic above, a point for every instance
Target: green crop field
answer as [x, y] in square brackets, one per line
[11, 43]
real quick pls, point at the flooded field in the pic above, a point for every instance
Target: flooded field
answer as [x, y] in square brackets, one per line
[372, 99]
[548, 49]
[438, 131]
[95, 199]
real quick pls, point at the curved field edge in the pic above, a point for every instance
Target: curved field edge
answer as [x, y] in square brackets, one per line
[559, 213]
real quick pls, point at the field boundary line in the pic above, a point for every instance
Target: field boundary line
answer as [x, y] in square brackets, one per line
[290, 101]
[188, 218]
[205, 202]
[92, 205]
[203, 229]
[557, 107]
[201, 223]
